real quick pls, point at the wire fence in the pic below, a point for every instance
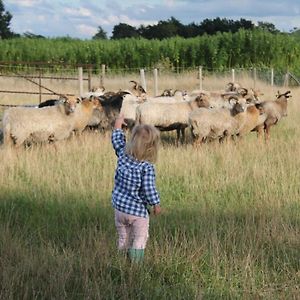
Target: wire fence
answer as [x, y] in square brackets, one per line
[39, 75]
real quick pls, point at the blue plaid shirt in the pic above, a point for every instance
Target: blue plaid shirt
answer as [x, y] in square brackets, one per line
[134, 181]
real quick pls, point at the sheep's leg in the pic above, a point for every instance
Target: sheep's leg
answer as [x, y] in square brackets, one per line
[182, 135]
[177, 136]
[267, 133]
[259, 131]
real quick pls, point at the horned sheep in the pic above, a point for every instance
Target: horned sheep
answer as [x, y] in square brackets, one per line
[275, 111]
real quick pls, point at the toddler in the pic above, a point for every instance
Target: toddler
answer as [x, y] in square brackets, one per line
[134, 188]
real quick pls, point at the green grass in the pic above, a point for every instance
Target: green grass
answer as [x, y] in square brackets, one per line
[229, 228]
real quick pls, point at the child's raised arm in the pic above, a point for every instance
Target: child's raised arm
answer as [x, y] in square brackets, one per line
[118, 137]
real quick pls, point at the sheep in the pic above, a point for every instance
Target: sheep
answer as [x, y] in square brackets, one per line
[275, 111]
[110, 108]
[178, 94]
[167, 116]
[218, 123]
[95, 91]
[47, 124]
[252, 117]
[137, 89]
[19, 123]
[84, 112]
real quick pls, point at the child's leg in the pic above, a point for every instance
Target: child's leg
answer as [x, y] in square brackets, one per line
[123, 229]
[139, 233]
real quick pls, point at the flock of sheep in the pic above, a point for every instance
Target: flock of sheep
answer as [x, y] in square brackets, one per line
[218, 115]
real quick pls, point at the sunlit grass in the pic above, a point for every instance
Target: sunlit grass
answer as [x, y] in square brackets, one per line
[229, 229]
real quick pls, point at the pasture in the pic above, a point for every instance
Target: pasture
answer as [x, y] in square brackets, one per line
[229, 229]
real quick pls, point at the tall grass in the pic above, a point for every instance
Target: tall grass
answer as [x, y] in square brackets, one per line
[229, 229]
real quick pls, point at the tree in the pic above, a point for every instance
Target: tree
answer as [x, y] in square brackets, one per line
[267, 27]
[100, 35]
[5, 18]
[123, 30]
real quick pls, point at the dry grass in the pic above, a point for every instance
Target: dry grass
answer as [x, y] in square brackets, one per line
[230, 227]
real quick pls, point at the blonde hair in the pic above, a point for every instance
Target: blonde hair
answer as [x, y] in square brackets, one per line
[143, 143]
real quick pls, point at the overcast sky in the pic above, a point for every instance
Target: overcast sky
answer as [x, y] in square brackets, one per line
[81, 18]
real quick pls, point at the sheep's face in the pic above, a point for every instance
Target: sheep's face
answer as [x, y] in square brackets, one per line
[97, 103]
[203, 101]
[71, 103]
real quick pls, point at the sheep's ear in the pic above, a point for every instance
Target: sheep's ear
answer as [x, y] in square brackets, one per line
[260, 107]
[232, 100]
[278, 94]
[79, 99]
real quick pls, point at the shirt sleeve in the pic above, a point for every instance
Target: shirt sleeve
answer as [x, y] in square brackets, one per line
[149, 187]
[118, 141]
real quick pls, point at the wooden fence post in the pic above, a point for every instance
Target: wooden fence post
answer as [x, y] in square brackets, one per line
[143, 80]
[254, 78]
[200, 78]
[40, 85]
[80, 81]
[233, 75]
[89, 78]
[155, 82]
[272, 77]
[102, 76]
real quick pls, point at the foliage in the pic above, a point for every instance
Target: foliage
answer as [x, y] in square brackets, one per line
[101, 34]
[243, 49]
[173, 27]
[5, 19]
[123, 30]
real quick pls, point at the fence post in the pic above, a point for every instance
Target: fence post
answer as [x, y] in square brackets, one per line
[254, 78]
[286, 79]
[233, 75]
[80, 81]
[102, 76]
[272, 77]
[143, 80]
[200, 78]
[155, 82]
[40, 85]
[89, 78]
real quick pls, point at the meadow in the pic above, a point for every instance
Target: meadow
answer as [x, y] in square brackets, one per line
[229, 229]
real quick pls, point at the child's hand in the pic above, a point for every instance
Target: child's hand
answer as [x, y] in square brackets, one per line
[156, 209]
[120, 121]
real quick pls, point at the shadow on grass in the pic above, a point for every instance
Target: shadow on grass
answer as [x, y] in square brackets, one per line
[66, 248]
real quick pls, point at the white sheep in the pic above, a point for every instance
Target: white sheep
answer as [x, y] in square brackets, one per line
[167, 116]
[217, 123]
[26, 125]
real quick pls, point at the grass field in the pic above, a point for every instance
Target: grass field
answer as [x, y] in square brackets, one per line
[230, 225]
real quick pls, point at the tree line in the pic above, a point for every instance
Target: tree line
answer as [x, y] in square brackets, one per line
[173, 27]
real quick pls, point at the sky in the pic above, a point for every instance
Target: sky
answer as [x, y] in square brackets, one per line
[81, 18]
